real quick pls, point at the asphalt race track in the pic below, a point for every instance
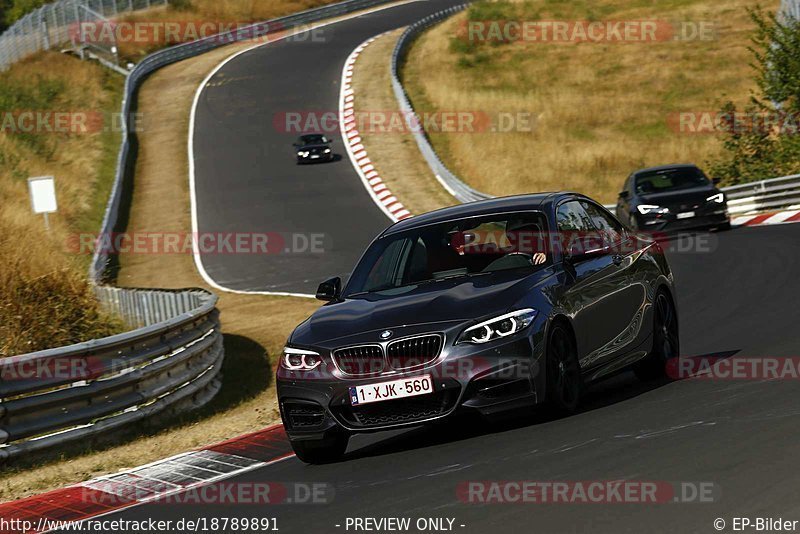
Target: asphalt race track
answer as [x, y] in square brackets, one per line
[739, 297]
[739, 435]
[246, 178]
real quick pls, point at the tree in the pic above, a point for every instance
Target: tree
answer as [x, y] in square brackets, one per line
[767, 142]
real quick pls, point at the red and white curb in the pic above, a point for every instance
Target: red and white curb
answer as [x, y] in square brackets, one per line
[781, 217]
[351, 138]
[152, 482]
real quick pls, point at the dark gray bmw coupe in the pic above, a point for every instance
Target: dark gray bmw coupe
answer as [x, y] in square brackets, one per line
[486, 306]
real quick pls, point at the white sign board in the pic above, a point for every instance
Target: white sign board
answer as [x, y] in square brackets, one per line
[43, 194]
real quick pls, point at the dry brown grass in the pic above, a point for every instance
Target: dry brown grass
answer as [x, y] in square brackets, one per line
[220, 12]
[395, 154]
[255, 327]
[45, 300]
[601, 109]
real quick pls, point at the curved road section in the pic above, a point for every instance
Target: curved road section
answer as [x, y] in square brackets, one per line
[727, 444]
[317, 218]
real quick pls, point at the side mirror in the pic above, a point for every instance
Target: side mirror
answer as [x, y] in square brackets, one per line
[330, 290]
[624, 194]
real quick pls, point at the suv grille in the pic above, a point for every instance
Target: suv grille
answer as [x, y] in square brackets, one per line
[413, 352]
[360, 361]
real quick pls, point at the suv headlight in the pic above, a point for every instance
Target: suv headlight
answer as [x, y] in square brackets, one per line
[499, 327]
[719, 198]
[300, 360]
[644, 209]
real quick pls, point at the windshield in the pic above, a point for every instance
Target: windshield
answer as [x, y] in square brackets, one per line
[312, 139]
[670, 180]
[459, 248]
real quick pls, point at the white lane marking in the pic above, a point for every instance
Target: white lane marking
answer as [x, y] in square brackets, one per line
[198, 260]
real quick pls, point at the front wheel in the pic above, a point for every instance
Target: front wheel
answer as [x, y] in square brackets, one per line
[666, 342]
[563, 372]
[321, 451]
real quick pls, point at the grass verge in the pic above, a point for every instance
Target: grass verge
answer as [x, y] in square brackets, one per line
[45, 300]
[393, 152]
[600, 110]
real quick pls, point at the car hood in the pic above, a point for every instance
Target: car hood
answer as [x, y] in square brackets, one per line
[687, 198]
[309, 147]
[457, 300]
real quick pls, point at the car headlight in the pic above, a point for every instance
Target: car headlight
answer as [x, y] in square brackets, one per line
[300, 360]
[498, 327]
[719, 198]
[327, 150]
[644, 209]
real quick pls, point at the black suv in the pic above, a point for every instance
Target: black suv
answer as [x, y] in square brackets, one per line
[672, 197]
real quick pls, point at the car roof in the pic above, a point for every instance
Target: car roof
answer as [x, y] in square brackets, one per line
[538, 201]
[666, 168]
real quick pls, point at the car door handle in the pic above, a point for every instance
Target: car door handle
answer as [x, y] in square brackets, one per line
[617, 259]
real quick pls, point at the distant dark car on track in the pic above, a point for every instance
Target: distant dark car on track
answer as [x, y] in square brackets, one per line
[672, 197]
[311, 148]
[487, 306]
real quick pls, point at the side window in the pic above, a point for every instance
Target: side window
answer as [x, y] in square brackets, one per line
[608, 226]
[571, 217]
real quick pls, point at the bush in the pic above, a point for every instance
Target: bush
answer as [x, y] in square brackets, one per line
[758, 152]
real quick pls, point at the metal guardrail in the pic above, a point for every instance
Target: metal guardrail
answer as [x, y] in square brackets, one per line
[454, 185]
[172, 360]
[123, 180]
[56, 23]
[775, 193]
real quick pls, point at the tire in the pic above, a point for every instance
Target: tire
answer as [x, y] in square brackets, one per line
[322, 451]
[563, 372]
[724, 227]
[666, 340]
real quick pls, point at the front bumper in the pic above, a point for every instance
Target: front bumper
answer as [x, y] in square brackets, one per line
[319, 157]
[490, 379]
[669, 222]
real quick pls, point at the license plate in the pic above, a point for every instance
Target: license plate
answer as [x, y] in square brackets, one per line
[686, 215]
[314, 156]
[394, 389]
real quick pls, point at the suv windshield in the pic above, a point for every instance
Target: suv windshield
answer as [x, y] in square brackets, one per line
[670, 179]
[458, 248]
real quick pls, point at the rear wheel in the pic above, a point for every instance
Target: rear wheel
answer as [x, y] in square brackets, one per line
[321, 451]
[666, 342]
[563, 372]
